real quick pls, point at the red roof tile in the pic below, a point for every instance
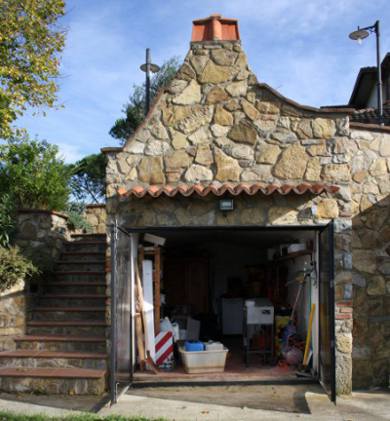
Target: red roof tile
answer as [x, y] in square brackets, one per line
[234, 189]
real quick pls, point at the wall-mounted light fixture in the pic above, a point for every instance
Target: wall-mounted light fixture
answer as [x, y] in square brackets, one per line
[226, 205]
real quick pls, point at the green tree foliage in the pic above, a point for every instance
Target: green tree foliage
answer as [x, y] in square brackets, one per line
[88, 179]
[14, 267]
[30, 42]
[7, 222]
[134, 110]
[33, 175]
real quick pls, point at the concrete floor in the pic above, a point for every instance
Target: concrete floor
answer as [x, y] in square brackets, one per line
[251, 403]
[217, 403]
[226, 403]
[365, 406]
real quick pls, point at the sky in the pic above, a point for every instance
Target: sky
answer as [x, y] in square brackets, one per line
[299, 47]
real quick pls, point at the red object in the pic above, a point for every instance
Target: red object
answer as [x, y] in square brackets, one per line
[215, 27]
[164, 347]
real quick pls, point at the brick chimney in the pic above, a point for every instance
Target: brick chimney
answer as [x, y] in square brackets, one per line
[215, 28]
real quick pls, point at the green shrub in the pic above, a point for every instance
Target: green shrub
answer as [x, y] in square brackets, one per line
[33, 174]
[76, 218]
[7, 221]
[14, 267]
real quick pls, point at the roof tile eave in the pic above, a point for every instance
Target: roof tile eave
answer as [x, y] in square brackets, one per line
[234, 189]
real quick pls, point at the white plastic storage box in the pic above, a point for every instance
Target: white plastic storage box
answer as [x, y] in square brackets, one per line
[259, 311]
[203, 361]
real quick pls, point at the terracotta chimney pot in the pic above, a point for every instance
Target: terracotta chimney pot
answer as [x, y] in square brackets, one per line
[214, 28]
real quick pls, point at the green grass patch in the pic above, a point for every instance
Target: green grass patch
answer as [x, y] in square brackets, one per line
[9, 416]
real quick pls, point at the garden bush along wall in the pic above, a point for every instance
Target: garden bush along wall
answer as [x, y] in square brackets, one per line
[215, 123]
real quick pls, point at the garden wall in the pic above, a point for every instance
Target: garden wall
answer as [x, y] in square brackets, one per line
[12, 315]
[40, 234]
[96, 216]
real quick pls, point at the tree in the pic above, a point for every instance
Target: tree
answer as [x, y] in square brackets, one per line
[134, 110]
[88, 179]
[32, 174]
[30, 43]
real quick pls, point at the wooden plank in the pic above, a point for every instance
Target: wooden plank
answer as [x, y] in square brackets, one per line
[139, 337]
[157, 287]
[142, 318]
[148, 309]
[308, 337]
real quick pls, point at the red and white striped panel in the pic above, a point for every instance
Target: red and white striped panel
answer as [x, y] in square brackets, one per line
[164, 347]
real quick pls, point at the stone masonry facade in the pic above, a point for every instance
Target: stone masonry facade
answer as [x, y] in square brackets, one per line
[216, 124]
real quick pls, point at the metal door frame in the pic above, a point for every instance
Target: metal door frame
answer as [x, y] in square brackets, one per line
[331, 309]
[114, 382]
[130, 231]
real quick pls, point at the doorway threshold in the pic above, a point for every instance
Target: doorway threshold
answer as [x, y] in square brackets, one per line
[255, 376]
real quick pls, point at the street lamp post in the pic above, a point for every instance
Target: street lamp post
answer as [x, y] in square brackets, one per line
[148, 67]
[358, 36]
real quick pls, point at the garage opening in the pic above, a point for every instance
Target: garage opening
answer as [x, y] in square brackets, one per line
[253, 296]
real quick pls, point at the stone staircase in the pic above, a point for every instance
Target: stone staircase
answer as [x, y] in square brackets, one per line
[64, 349]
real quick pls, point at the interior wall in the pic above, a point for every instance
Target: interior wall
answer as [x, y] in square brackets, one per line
[229, 261]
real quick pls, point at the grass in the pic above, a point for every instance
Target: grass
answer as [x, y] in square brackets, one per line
[9, 416]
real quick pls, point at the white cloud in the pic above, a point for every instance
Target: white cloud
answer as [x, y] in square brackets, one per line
[69, 153]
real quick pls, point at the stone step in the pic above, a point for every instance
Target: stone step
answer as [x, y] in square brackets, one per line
[61, 343]
[85, 246]
[78, 276]
[79, 273]
[64, 381]
[72, 300]
[96, 266]
[97, 237]
[69, 287]
[83, 255]
[44, 359]
[68, 313]
[67, 327]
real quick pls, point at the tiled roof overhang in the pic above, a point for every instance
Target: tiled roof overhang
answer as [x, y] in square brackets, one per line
[201, 190]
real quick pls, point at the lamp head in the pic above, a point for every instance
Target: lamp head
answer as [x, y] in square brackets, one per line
[153, 67]
[359, 35]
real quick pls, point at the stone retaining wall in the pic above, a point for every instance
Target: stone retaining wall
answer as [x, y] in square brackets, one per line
[96, 216]
[41, 234]
[12, 315]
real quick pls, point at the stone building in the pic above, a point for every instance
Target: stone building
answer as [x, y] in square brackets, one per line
[217, 132]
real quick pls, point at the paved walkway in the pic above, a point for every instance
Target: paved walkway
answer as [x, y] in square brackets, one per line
[361, 406]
